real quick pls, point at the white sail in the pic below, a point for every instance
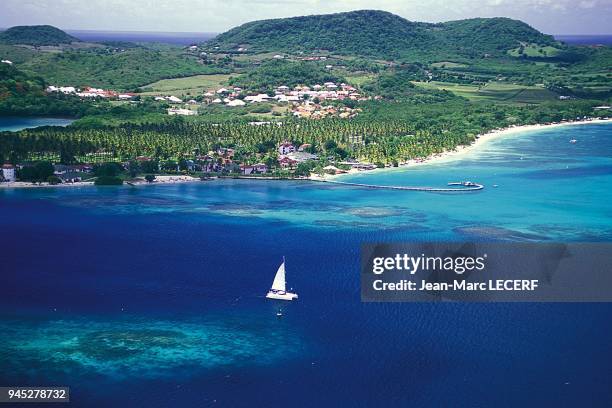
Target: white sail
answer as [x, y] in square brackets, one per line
[279, 279]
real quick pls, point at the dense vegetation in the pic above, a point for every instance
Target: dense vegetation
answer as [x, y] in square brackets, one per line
[23, 94]
[273, 73]
[386, 132]
[382, 35]
[36, 35]
[488, 73]
[115, 68]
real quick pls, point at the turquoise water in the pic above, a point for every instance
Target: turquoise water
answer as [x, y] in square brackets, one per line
[154, 295]
[13, 124]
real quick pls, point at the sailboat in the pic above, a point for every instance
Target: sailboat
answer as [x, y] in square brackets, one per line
[278, 290]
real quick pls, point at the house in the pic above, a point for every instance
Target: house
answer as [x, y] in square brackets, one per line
[301, 157]
[226, 152]
[286, 162]
[258, 168]
[333, 170]
[285, 148]
[7, 62]
[180, 111]
[71, 177]
[304, 147]
[278, 56]
[60, 169]
[8, 172]
[174, 99]
[190, 165]
[236, 102]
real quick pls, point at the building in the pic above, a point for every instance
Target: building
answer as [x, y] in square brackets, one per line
[174, 99]
[180, 111]
[286, 162]
[258, 168]
[236, 102]
[286, 148]
[8, 172]
[301, 157]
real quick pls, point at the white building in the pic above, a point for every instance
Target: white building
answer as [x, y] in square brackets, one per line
[8, 172]
[236, 102]
[174, 99]
[7, 62]
[286, 148]
[179, 111]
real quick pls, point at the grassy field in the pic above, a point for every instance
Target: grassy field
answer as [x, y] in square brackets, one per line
[495, 92]
[192, 85]
[448, 64]
[534, 50]
[359, 79]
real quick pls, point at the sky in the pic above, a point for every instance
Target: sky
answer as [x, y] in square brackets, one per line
[548, 16]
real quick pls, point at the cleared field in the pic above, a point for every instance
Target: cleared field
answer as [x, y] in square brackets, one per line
[192, 85]
[358, 79]
[495, 92]
[534, 50]
[448, 64]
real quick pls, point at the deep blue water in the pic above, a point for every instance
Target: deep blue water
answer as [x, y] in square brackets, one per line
[141, 36]
[585, 39]
[153, 296]
[13, 123]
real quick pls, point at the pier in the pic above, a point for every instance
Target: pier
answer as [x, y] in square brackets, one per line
[464, 187]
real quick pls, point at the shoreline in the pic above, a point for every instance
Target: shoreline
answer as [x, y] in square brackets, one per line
[462, 150]
[437, 158]
[159, 180]
[495, 134]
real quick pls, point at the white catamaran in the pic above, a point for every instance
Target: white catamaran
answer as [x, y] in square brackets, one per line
[279, 290]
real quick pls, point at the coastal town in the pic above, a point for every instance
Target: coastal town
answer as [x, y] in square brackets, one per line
[303, 101]
[290, 161]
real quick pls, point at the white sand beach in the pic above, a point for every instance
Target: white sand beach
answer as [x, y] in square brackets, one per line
[164, 179]
[461, 151]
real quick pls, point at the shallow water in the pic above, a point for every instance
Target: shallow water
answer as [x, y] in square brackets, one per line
[13, 124]
[153, 296]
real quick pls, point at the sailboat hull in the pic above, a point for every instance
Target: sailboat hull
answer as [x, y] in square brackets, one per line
[282, 295]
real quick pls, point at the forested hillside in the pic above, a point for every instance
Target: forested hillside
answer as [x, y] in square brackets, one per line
[382, 35]
[36, 35]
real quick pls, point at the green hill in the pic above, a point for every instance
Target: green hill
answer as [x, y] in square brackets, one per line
[24, 94]
[36, 35]
[289, 73]
[382, 35]
[120, 69]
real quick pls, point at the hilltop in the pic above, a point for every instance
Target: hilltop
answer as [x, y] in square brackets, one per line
[36, 35]
[382, 35]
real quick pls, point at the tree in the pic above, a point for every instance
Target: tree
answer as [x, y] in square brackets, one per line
[133, 168]
[151, 166]
[150, 178]
[53, 180]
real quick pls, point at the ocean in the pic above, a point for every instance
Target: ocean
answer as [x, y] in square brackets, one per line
[154, 295]
[585, 39]
[142, 36]
[15, 123]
